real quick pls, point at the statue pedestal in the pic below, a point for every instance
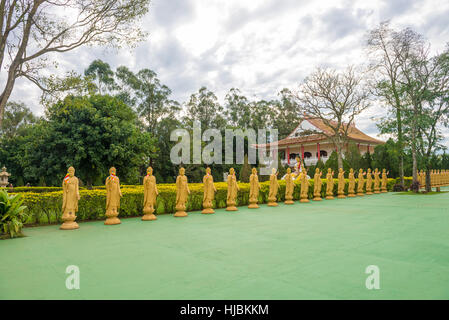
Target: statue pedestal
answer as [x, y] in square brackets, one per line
[272, 202]
[376, 190]
[253, 205]
[329, 197]
[351, 195]
[317, 197]
[231, 206]
[369, 192]
[304, 199]
[148, 214]
[341, 196]
[111, 218]
[384, 191]
[180, 212]
[288, 201]
[360, 194]
[207, 211]
[69, 222]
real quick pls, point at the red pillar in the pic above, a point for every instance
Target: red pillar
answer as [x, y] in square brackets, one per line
[358, 146]
[367, 148]
[288, 155]
[302, 153]
[318, 150]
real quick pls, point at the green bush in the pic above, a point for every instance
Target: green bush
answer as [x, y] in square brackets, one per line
[12, 215]
[45, 207]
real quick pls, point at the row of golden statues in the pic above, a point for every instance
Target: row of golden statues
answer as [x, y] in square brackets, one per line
[438, 178]
[374, 184]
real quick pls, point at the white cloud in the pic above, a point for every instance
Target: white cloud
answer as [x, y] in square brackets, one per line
[259, 46]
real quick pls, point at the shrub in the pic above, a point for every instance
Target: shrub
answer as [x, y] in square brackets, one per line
[45, 207]
[12, 214]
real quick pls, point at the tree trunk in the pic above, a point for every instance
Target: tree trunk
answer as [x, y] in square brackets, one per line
[340, 158]
[415, 165]
[428, 186]
[401, 146]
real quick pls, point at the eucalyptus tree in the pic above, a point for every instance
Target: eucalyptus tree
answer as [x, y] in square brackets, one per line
[385, 47]
[426, 83]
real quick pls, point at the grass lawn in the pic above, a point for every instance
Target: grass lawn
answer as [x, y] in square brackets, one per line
[317, 250]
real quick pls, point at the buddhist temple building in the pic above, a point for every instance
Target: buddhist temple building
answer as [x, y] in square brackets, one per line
[310, 142]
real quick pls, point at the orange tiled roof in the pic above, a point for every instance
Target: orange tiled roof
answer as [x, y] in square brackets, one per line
[353, 134]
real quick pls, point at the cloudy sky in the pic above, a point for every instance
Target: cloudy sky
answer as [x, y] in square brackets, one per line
[258, 46]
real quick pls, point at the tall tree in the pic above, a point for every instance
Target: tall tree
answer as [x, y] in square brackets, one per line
[16, 116]
[101, 72]
[335, 98]
[204, 107]
[385, 46]
[31, 29]
[426, 82]
[150, 98]
[237, 109]
[286, 113]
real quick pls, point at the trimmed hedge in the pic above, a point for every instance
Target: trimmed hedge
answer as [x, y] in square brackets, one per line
[45, 207]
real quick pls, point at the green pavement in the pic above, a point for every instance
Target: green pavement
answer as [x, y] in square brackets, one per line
[317, 250]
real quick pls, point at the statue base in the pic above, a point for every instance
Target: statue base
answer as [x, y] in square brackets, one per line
[208, 211]
[180, 214]
[330, 198]
[376, 192]
[288, 202]
[304, 200]
[351, 195]
[272, 204]
[317, 199]
[69, 225]
[149, 217]
[231, 208]
[112, 220]
[253, 206]
[383, 191]
[341, 196]
[369, 192]
[360, 194]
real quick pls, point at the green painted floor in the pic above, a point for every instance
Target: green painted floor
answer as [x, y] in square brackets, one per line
[317, 250]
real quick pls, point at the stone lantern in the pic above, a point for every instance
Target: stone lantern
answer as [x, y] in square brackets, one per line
[4, 177]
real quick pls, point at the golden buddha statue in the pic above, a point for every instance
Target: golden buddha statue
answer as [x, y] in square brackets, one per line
[341, 184]
[376, 181]
[254, 188]
[384, 180]
[317, 184]
[330, 184]
[289, 187]
[233, 188]
[369, 182]
[150, 194]
[70, 198]
[113, 195]
[274, 187]
[182, 193]
[208, 192]
[360, 183]
[304, 186]
[351, 184]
